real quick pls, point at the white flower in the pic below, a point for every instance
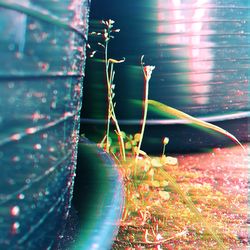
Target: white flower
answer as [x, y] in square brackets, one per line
[148, 71]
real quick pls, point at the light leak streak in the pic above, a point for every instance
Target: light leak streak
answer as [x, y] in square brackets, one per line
[186, 25]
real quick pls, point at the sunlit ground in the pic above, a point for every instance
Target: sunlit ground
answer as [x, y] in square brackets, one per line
[158, 216]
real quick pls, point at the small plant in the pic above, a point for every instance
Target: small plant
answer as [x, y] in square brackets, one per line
[106, 33]
[141, 172]
[165, 142]
[147, 71]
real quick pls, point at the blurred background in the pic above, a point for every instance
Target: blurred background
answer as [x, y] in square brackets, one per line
[201, 52]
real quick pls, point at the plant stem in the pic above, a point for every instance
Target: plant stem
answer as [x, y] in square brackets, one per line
[111, 110]
[163, 151]
[121, 141]
[113, 116]
[145, 111]
[109, 94]
[147, 71]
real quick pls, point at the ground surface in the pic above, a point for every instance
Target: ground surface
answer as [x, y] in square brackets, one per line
[158, 217]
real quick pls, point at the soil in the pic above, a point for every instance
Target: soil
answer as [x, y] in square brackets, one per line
[157, 217]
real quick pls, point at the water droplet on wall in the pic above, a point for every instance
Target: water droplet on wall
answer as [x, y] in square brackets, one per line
[27, 180]
[37, 146]
[15, 211]
[28, 94]
[30, 130]
[53, 104]
[16, 158]
[44, 136]
[37, 116]
[43, 66]
[20, 196]
[51, 149]
[15, 228]
[15, 137]
[53, 41]
[44, 100]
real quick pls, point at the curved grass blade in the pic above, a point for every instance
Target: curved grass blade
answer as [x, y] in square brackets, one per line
[192, 207]
[169, 111]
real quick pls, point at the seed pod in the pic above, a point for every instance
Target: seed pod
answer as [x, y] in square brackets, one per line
[165, 140]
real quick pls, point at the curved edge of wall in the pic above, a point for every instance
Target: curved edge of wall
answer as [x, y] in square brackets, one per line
[98, 201]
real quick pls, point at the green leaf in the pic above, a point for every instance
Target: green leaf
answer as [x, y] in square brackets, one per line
[199, 123]
[175, 113]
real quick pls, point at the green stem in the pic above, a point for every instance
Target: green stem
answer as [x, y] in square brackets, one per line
[121, 141]
[111, 110]
[164, 148]
[113, 116]
[109, 95]
[145, 111]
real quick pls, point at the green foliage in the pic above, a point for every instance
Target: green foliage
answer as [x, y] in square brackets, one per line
[141, 169]
[171, 112]
[194, 121]
[107, 34]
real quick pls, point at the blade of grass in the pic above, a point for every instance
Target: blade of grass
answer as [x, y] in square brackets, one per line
[192, 207]
[194, 121]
